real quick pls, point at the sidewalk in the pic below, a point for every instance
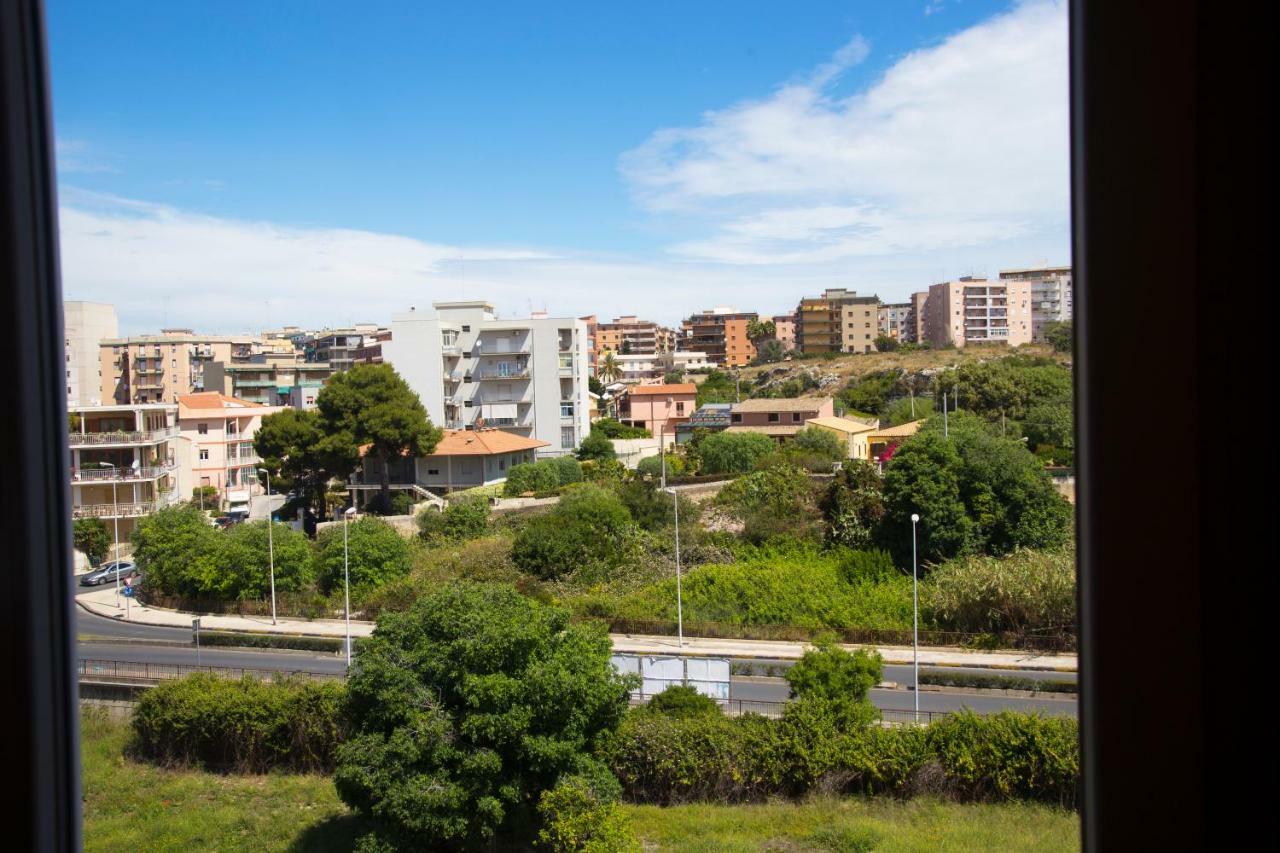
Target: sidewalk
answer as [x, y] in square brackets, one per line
[103, 603]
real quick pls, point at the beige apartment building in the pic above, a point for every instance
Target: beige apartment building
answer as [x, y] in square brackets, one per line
[838, 321]
[221, 430]
[126, 462]
[721, 333]
[85, 324]
[919, 300]
[270, 379]
[784, 330]
[160, 368]
[974, 310]
[633, 336]
[896, 321]
[1051, 295]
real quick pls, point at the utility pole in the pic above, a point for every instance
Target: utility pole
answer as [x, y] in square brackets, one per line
[946, 433]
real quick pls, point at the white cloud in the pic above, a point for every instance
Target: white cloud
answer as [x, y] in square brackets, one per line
[957, 145]
[75, 156]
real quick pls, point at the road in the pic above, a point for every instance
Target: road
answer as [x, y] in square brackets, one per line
[109, 639]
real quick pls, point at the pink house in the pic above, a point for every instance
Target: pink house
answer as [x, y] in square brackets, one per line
[779, 419]
[220, 430]
[658, 408]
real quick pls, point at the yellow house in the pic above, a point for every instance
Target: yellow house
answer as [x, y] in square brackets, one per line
[852, 433]
[881, 440]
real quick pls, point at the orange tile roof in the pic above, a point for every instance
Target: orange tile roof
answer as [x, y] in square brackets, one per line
[205, 400]
[483, 442]
[655, 390]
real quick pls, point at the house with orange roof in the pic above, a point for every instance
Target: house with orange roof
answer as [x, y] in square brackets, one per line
[219, 430]
[464, 458]
[658, 408]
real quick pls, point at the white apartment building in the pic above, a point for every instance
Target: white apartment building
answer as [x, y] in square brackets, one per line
[221, 430]
[126, 462]
[84, 325]
[973, 310]
[1051, 300]
[654, 366]
[471, 369]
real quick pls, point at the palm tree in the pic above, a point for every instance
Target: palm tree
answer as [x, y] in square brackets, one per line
[609, 369]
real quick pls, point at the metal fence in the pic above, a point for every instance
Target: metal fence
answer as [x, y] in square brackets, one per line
[144, 672]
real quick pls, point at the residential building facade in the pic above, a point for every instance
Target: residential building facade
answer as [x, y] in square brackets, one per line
[270, 379]
[220, 430]
[658, 408]
[339, 348]
[895, 321]
[852, 433]
[159, 368]
[784, 330]
[463, 459]
[638, 369]
[838, 321]
[721, 333]
[780, 419]
[919, 303]
[630, 335]
[1051, 295]
[85, 325]
[974, 310]
[126, 462]
[473, 369]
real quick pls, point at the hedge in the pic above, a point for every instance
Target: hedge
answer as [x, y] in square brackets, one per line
[246, 726]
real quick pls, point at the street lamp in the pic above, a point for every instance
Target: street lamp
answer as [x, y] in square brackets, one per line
[915, 619]
[115, 520]
[271, 548]
[347, 514]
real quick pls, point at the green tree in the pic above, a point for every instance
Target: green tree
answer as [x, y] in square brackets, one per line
[609, 369]
[590, 531]
[884, 343]
[870, 393]
[830, 673]
[853, 505]
[371, 406]
[1060, 336]
[718, 387]
[466, 708]
[245, 555]
[377, 554]
[820, 442]
[769, 352]
[91, 536]
[294, 446]
[463, 518]
[1050, 429]
[760, 330]
[682, 700]
[595, 386]
[733, 452]
[673, 377]
[613, 428]
[180, 553]
[596, 446]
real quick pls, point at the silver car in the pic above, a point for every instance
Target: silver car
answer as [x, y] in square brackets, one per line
[108, 572]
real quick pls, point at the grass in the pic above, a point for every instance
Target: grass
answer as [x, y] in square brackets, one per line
[849, 825]
[130, 805]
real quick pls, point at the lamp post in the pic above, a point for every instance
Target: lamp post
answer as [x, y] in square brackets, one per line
[915, 619]
[115, 521]
[347, 514]
[271, 548]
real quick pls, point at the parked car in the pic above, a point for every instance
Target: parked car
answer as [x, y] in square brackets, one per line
[107, 573]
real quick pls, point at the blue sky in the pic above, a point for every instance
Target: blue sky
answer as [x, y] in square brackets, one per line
[222, 165]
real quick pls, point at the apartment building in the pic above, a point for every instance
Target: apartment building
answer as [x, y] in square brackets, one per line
[1051, 295]
[85, 324]
[370, 351]
[780, 419]
[159, 368]
[270, 379]
[838, 321]
[472, 369]
[630, 335]
[636, 369]
[895, 321]
[974, 310]
[784, 330]
[658, 408]
[339, 348]
[220, 430]
[127, 461]
[919, 300]
[721, 333]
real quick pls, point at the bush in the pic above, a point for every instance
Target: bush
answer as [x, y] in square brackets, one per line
[1022, 592]
[461, 519]
[576, 818]
[596, 446]
[653, 509]
[612, 428]
[377, 554]
[205, 497]
[178, 552]
[780, 489]
[467, 708]
[244, 560]
[829, 674]
[536, 477]
[681, 700]
[853, 505]
[91, 536]
[401, 504]
[246, 726]
[651, 466]
[1009, 756]
[819, 442]
[568, 470]
[733, 452]
[589, 530]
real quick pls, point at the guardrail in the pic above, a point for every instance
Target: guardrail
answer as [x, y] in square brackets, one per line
[148, 672]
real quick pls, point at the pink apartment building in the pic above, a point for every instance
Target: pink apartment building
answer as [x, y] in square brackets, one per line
[658, 408]
[779, 419]
[221, 430]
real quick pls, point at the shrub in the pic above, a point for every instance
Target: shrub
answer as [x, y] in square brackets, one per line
[596, 446]
[568, 470]
[780, 489]
[1009, 755]
[681, 700]
[461, 519]
[733, 452]
[853, 505]
[91, 536]
[653, 509]
[246, 725]
[244, 560]
[819, 442]
[377, 553]
[540, 476]
[613, 428]
[651, 466]
[576, 818]
[401, 504]
[205, 497]
[178, 552]
[829, 674]
[467, 708]
[590, 529]
[1021, 592]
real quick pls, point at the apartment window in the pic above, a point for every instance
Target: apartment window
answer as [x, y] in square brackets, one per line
[466, 404]
[736, 418]
[795, 417]
[773, 417]
[204, 454]
[566, 410]
[679, 408]
[502, 463]
[433, 472]
[466, 328]
[566, 438]
[202, 429]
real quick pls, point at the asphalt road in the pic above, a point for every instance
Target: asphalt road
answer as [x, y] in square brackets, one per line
[109, 639]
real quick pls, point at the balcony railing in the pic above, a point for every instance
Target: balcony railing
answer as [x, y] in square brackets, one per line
[123, 510]
[121, 474]
[150, 371]
[517, 349]
[489, 375]
[451, 350]
[101, 438]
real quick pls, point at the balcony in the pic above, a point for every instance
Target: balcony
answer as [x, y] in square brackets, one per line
[512, 397]
[450, 350]
[158, 370]
[121, 474]
[515, 349]
[99, 439]
[156, 384]
[498, 375]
